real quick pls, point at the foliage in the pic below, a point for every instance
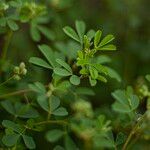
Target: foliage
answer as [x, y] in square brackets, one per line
[59, 97]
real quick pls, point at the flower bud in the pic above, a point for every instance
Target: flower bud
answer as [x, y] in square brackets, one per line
[16, 70]
[22, 65]
[24, 71]
[49, 93]
[17, 77]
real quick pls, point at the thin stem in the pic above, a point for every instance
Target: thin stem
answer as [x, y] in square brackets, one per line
[53, 122]
[15, 93]
[3, 83]
[6, 45]
[133, 131]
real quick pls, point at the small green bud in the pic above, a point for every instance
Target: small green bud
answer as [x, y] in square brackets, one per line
[17, 77]
[24, 71]
[16, 70]
[49, 93]
[83, 107]
[22, 65]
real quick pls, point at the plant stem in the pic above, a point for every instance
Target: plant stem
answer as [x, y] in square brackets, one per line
[15, 93]
[133, 131]
[6, 45]
[52, 121]
[3, 83]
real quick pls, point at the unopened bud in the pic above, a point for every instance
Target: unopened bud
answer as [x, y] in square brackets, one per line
[24, 71]
[22, 65]
[16, 70]
[17, 77]
[49, 93]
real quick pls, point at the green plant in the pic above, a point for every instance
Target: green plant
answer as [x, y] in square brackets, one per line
[59, 109]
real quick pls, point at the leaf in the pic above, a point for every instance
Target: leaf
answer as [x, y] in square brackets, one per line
[97, 38]
[54, 135]
[47, 32]
[38, 87]
[120, 139]
[12, 25]
[69, 143]
[71, 33]
[80, 27]
[35, 34]
[3, 21]
[61, 111]
[64, 64]
[93, 72]
[148, 77]
[61, 72]
[102, 78]
[93, 82]
[10, 139]
[54, 103]
[43, 102]
[25, 111]
[48, 53]
[109, 47]
[102, 59]
[75, 80]
[29, 142]
[125, 103]
[39, 62]
[7, 105]
[90, 34]
[113, 74]
[85, 91]
[100, 68]
[106, 40]
[86, 42]
[12, 125]
[58, 148]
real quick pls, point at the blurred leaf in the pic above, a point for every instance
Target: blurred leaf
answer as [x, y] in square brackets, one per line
[61, 72]
[64, 64]
[124, 103]
[12, 125]
[48, 53]
[47, 32]
[54, 135]
[39, 62]
[71, 33]
[148, 77]
[29, 142]
[12, 25]
[113, 74]
[107, 39]
[75, 80]
[60, 112]
[11, 139]
[80, 27]
[69, 143]
[97, 38]
[109, 47]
